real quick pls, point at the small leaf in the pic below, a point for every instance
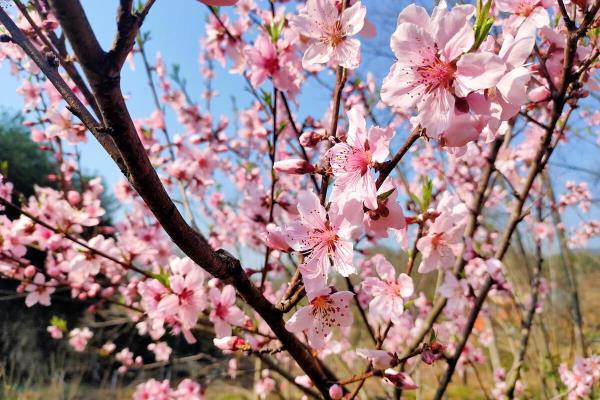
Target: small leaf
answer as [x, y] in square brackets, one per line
[4, 167]
[162, 277]
[385, 195]
[427, 191]
[59, 323]
[432, 336]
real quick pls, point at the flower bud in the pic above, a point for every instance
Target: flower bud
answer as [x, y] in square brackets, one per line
[432, 352]
[73, 197]
[400, 379]
[336, 392]
[310, 138]
[230, 343]
[539, 94]
[29, 271]
[294, 166]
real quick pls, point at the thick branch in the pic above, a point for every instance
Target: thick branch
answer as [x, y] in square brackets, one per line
[146, 182]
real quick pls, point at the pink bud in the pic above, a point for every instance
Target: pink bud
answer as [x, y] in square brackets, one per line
[400, 379]
[432, 352]
[310, 138]
[336, 392]
[538, 94]
[29, 271]
[293, 166]
[229, 343]
[73, 197]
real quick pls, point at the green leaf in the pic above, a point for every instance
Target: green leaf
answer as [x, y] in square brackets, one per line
[59, 323]
[162, 277]
[4, 167]
[274, 29]
[385, 195]
[267, 98]
[432, 337]
[426, 191]
[483, 23]
[415, 199]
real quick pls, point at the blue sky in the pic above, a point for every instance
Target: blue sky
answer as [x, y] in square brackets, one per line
[177, 25]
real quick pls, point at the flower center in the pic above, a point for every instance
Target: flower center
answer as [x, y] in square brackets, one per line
[438, 239]
[335, 34]
[271, 65]
[525, 7]
[320, 302]
[436, 74]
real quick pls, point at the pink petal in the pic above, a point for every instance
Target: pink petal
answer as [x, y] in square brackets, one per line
[228, 296]
[436, 111]
[539, 17]
[476, 71]
[407, 287]
[300, 321]
[342, 258]
[513, 86]
[357, 128]
[379, 140]
[347, 54]
[310, 209]
[453, 29]
[384, 268]
[516, 52]
[415, 15]
[317, 53]
[353, 18]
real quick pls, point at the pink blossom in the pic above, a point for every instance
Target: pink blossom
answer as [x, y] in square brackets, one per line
[580, 380]
[443, 240]
[31, 94]
[264, 385]
[188, 297]
[431, 65]
[79, 337]
[353, 161]
[526, 11]
[224, 312]
[266, 61]
[324, 237]
[55, 332]
[324, 312]
[330, 33]
[389, 293]
[161, 351]
[39, 291]
[455, 291]
[388, 216]
[188, 390]
[153, 390]
[108, 347]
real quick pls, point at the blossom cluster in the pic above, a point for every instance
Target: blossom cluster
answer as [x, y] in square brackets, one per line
[345, 227]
